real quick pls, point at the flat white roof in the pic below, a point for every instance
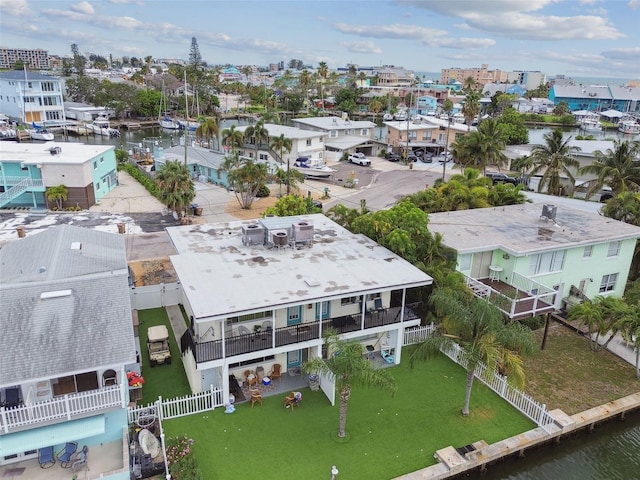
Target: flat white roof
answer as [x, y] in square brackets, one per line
[32, 153]
[520, 230]
[289, 132]
[333, 123]
[220, 276]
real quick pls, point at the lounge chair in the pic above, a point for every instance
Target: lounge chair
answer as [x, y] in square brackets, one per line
[64, 456]
[79, 459]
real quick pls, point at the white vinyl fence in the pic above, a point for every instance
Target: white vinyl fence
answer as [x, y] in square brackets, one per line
[154, 296]
[531, 408]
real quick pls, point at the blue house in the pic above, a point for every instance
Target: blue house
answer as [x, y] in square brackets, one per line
[27, 169]
[597, 97]
[67, 342]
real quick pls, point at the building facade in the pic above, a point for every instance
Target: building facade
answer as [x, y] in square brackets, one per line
[33, 58]
[27, 97]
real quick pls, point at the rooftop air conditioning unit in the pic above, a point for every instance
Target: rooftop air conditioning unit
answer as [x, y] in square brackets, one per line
[302, 232]
[55, 150]
[252, 234]
[279, 238]
[549, 212]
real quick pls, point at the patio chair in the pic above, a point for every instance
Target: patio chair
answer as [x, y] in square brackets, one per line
[292, 400]
[46, 457]
[79, 460]
[256, 397]
[109, 377]
[242, 330]
[12, 397]
[250, 378]
[276, 372]
[64, 456]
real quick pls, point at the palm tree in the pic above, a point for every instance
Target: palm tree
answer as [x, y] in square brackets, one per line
[232, 138]
[469, 84]
[57, 194]
[630, 329]
[207, 130]
[348, 363]
[478, 328]
[617, 168]
[175, 187]
[375, 106]
[482, 147]
[258, 134]
[626, 208]
[553, 159]
[471, 107]
[589, 314]
[323, 73]
[247, 180]
[280, 144]
[304, 80]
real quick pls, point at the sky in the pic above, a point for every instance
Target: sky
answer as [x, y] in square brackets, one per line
[579, 38]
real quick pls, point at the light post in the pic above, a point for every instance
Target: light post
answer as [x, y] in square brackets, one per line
[334, 472]
[446, 146]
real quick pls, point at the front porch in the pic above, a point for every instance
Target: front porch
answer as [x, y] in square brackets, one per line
[526, 299]
[293, 334]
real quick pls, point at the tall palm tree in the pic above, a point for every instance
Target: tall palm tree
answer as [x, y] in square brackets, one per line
[207, 130]
[617, 168]
[281, 144]
[175, 187]
[553, 159]
[482, 147]
[232, 138]
[258, 134]
[469, 84]
[304, 80]
[323, 73]
[479, 329]
[626, 208]
[347, 362]
[470, 107]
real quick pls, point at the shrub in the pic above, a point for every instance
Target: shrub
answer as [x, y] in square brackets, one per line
[263, 191]
[181, 460]
[145, 181]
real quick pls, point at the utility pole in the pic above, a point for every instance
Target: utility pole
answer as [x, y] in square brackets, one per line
[446, 146]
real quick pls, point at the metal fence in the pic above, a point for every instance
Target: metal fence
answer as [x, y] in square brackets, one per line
[529, 407]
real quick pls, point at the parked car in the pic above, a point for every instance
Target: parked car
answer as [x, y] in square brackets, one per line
[411, 158]
[426, 157]
[443, 158]
[392, 157]
[359, 159]
[502, 178]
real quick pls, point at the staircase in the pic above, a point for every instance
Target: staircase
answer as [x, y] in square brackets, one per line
[18, 189]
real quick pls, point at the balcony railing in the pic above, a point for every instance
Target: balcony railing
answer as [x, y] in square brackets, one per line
[293, 334]
[67, 407]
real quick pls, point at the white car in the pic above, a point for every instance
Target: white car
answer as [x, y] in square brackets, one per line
[360, 159]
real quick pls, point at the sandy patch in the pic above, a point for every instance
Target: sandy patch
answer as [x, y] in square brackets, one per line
[153, 272]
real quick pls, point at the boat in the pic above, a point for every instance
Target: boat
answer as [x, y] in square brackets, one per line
[7, 132]
[40, 133]
[188, 125]
[591, 123]
[313, 168]
[629, 126]
[401, 116]
[164, 120]
[458, 118]
[101, 126]
[387, 117]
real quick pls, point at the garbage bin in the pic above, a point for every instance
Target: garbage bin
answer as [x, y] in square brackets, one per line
[195, 208]
[314, 382]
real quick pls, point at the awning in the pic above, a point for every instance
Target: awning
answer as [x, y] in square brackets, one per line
[55, 435]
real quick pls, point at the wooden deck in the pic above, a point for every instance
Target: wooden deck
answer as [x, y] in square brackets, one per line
[515, 303]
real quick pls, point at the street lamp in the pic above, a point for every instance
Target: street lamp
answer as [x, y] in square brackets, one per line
[334, 472]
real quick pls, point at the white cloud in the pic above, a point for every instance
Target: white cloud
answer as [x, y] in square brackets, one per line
[83, 7]
[361, 47]
[17, 8]
[634, 4]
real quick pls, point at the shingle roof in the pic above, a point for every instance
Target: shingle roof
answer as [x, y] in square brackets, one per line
[73, 314]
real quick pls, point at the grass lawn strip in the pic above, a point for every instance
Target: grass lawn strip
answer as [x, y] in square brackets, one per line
[388, 436]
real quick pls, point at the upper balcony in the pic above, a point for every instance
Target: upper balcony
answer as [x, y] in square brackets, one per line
[292, 334]
[523, 298]
[61, 408]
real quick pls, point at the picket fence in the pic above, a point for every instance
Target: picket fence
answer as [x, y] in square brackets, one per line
[529, 407]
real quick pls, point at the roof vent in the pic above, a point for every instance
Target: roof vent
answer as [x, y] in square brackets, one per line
[303, 232]
[280, 238]
[549, 212]
[252, 234]
[55, 150]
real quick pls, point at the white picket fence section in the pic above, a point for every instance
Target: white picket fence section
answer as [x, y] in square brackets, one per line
[155, 296]
[529, 407]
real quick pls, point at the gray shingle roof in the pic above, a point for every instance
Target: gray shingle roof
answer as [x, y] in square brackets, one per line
[83, 320]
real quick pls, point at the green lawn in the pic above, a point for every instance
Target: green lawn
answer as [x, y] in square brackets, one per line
[388, 436]
[169, 381]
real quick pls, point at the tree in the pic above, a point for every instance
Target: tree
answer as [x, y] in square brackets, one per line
[245, 177]
[58, 195]
[469, 84]
[478, 328]
[175, 187]
[617, 168]
[471, 107]
[79, 61]
[258, 134]
[482, 147]
[290, 205]
[511, 124]
[232, 138]
[561, 109]
[626, 208]
[195, 59]
[281, 144]
[323, 73]
[375, 106]
[207, 130]
[347, 362]
[553, 159]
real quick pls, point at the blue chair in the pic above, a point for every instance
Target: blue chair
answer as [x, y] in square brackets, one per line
[64, 456]
[46, 457]
[12, 397]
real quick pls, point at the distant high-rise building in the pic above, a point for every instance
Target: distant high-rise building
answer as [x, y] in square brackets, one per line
[33, 58]
[480, 75]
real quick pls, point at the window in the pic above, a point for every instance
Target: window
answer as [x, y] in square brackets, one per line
[350, 300]
[101, 159]
[588, 251]
[465, 261]
[364, 132]
[95, 165]
[308, 142]
[293, 313]
[546, 262]
[614, 249]
[251, 316]
[333, 134]
[608, 282]
[426, 136]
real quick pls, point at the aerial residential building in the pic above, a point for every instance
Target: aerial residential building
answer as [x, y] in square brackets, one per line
[427, 133]
[33, 58]
[529, 80]
[67, 342]
[27, 96]
[597, 97]
[480, 75]
[391, 76]
[342, 134]
[532, 259]
[27, 169]
[263, 292]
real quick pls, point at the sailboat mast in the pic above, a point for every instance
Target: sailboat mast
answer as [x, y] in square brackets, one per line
[186, 110]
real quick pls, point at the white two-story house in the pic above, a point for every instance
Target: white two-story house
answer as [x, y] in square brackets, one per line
[533, 259]
[264, 291]
[67, 341]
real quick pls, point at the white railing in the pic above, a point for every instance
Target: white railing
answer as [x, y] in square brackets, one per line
[155, 296]
[65, 407]
[529, 407]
